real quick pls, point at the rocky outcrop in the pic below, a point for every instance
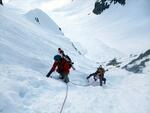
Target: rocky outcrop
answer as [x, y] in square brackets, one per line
[113, 62]
[137, 64]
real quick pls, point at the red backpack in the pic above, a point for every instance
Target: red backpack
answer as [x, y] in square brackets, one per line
[63, 66]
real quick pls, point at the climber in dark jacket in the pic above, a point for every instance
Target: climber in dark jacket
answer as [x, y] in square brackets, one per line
[61, 66]
[99, 74]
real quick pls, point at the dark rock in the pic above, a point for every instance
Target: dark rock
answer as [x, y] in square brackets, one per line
[37, 20]
[135, 66]
[1, 2]
[113, 62]
[101, 5]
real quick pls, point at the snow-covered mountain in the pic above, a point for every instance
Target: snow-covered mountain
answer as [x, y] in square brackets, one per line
[25, 39]
[36, 16]
[78, 34]
[28, 42]
[122, 29]
[116, 28]
[27, 48]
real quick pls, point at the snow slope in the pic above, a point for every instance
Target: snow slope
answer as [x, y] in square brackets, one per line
[120, 28]
[27, 51]
[67, 18]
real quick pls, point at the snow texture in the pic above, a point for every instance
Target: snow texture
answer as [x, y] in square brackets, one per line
[26, 55]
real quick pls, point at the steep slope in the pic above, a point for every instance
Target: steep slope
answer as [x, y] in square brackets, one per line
[115, 28]
[77, 30]
[27, 51]
[23, 35]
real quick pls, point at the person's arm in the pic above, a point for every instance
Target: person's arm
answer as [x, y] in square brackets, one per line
[94, 76]
[52, 69]
[54, 66]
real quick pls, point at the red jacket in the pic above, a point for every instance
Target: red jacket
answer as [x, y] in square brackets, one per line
[61, 67]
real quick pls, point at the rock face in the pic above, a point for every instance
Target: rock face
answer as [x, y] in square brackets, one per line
[1, 2]
[113, 62]
[137, 65]
[101, 5]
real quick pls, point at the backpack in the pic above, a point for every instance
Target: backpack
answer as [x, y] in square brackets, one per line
[63, 66]
[100, 71]
[69, 61]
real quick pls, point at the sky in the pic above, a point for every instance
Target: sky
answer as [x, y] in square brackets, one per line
[43, 4]
[54, 4]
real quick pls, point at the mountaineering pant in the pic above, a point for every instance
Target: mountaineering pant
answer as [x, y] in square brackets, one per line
[101, 80]
[64, 77]
[93, 74]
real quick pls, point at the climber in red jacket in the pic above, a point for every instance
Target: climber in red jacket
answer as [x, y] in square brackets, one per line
[61, 66]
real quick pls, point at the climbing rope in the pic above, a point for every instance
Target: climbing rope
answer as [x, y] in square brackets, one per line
[81, 84]
[64, 99]
[67, 88]
[62, 107]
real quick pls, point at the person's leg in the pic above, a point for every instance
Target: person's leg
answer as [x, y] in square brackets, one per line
[65, 78]
[104, 79]
[95, 77]
[60, 76]
[90, 75]
[100, 79]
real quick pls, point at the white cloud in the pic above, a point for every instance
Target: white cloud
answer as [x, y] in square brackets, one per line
[54, 4]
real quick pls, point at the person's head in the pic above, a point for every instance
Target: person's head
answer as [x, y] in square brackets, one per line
[100, 67]
[57, 57]
[60, 51]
